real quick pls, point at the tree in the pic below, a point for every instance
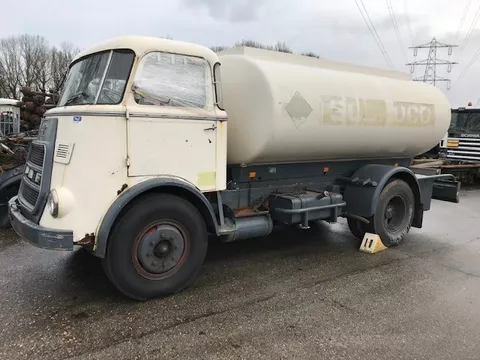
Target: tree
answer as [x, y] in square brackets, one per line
[253, 44]
[279, 46]
[282, 47]
[43, 73]
[218, 48]
[10, 67]
[310, 54]
[3, 93]
[28, 60]
[60, 60]
[33, 54]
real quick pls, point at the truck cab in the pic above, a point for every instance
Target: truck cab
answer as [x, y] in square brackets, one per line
[134, 112]
[9, 117]
[103, 136]
[10, 170]
[462, 142]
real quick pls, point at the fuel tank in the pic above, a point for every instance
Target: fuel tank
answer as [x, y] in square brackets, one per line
[292, 108]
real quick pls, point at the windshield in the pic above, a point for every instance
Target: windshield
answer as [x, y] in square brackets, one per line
[465, 122]
[98, 79]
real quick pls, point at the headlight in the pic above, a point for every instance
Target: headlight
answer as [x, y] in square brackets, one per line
[52, 203]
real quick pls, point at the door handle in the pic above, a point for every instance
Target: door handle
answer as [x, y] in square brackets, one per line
[213, 127]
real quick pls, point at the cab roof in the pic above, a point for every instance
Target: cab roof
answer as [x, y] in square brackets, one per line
[143, 44]
[11, 102]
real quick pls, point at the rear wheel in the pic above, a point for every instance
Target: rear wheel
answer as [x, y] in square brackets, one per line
[394, 214]
[156, 248]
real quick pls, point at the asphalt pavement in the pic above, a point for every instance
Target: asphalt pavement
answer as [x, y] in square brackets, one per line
[293, 295]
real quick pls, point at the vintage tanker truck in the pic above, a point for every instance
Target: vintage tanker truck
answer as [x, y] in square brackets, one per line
[155, 145]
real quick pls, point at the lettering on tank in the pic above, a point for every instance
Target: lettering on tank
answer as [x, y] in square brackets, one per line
[414, 114]
[350, 111]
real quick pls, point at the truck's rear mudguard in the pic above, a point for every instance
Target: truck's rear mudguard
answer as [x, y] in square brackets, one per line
[443, 186]
[366, 184]
[363, 189]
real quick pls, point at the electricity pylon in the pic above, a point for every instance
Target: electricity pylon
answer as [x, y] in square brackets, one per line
[430, 76]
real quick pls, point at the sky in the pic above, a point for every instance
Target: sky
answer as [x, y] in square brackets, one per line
[334, 30]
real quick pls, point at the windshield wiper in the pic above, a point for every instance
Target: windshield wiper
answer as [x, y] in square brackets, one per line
[75, 97]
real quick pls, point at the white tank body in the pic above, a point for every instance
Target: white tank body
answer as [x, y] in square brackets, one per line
[292, 108]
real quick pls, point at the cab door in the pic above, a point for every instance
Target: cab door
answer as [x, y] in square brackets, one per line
[172, 123]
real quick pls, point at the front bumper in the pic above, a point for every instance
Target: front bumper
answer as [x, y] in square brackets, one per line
[35, 234]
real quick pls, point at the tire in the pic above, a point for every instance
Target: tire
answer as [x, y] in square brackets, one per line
[5, 222]
[156, 247]
[394, 214]
[357, 228]
[5, 195]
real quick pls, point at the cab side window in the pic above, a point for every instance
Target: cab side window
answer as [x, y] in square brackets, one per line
[165, 79]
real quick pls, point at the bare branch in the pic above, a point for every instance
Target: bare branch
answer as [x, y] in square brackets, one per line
[10, 67]
[32, 49]
[218, 48]
[42, 68]
[282, 47]
[60, 60]
[310, 54]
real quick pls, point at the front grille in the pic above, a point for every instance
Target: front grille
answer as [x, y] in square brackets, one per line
[36, 180]
[37, 154]
[467, 149]
[29, 193]
[32, 178]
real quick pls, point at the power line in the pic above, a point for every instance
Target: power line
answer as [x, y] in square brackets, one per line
[407, 16]
[379, 41]
[395, 26]
[462, 20]
[469, 33]
[469, 65]
[460, 25]
[373, 32]
[477, 53]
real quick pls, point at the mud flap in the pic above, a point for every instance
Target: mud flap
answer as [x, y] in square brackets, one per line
[446, 191]
[438, 186]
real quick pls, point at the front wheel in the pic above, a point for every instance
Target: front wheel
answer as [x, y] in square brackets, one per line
[156, 248]
[394, 214]
[5, 195]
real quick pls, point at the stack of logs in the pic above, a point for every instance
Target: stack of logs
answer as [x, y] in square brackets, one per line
[33, 106]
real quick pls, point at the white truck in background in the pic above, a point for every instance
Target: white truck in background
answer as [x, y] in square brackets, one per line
[155, 144]
[9, 117]
[462, 141]
[458, 153]
[13, 151]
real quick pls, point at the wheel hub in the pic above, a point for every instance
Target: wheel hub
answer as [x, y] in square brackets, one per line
[395, 214]
[160, 248]
[163, 248]
[389, 213]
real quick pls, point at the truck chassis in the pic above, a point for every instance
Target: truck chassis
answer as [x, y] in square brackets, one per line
[154, 237]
